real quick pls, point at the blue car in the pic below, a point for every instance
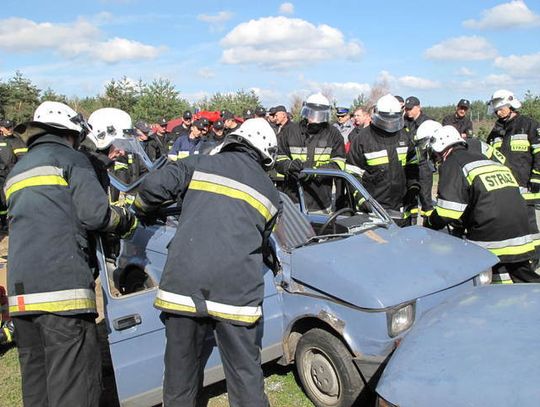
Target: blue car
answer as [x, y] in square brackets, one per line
[342, 289]
[478, 349]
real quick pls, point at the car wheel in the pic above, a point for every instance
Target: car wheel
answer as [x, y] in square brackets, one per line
[326, 370]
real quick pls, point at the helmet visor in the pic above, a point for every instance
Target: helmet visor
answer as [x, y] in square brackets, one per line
[315, 113]
[389, 122]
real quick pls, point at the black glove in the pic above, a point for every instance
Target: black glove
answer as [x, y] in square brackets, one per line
[374, 177]
[411, 196]
[295, 168]
[534, 187]
[127, 221]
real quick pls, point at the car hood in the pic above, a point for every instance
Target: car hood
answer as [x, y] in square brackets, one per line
[478, 349]
[385, 267]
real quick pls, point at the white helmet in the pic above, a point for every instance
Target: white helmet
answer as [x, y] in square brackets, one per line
[501, 98]
[388, 115]
[316, 109]
[59, 115]
[425, 132]
[259, 135]
[445, 137]
[108, 124]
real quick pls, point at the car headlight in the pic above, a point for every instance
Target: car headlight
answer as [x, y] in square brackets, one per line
[383, 403]
[400, 319]
[484, 278]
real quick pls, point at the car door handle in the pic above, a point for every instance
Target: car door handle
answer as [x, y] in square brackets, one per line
[127, 322]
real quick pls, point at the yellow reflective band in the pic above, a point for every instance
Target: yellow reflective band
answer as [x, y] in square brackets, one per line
[301, 157]
[3, 212]
[502, 282]
[448, 213]
[535, 172]
[513, 250]
[426, 213]
[7, 334]
[3, 144]
[377, 161]
[233, 189]
[497, 144]
[402, 158]
[232, 317]
[231, 193]
[22, 150]
[484, 169]
[340, 162]
[536, 150]
[519, 145]
[55, 306]
[120, 166]
[36, 181]
[529, 196]
[159, 303]
[172, 157]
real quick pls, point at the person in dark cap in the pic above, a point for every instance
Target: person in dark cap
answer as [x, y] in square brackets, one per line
[214, 138]
[414, 117]
[230, 122]
[187, 144]
[260, 112]
[271, 117]
[248, 114]
[16, 144]
[459, 119]
[149, 141]
[344, 122]
[206, 124]
[281, 118]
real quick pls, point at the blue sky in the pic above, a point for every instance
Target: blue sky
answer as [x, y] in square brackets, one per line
[439, 51]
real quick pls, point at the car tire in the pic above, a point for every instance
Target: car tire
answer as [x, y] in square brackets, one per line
[326, 370]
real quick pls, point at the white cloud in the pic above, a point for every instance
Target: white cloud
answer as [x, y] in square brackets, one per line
[279, 42]
[464, 71]
[286, 8]
[415, 82]
[206, 73]
[344, 92]
[472, 48]
[506, 15]
[219, 18]
[80, 38]
[523, 66]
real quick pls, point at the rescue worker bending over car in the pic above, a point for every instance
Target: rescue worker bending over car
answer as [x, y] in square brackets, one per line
[230, 204]
[484, 195]
[54, 200]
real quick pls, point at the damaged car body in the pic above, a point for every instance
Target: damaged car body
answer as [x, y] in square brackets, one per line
[343, 288]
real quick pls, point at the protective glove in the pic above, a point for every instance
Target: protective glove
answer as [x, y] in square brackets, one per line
[127, 221]
[374, 177]
[295, 168]
[411, 196]
[534, 187]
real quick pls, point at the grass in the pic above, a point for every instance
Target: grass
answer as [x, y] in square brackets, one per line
[280, 384]
[10, 378]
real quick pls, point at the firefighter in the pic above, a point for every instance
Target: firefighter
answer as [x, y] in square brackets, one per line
[54, 199]
[16, 144]
[384, 156]
[107, 124]
[229, 204]
[312, 143]
[517, 137]
[414, 117]
[484, 195]
[7, 161]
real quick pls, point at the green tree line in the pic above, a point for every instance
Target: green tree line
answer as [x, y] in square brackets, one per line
[159, 98]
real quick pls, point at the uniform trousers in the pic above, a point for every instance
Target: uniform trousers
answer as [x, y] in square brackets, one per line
[60, 360]
[240, 350]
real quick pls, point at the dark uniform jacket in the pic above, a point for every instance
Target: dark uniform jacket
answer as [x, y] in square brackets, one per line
[324, 149]
[184, 147]
[53, 198]
[462, 124]
[17, 145]
[485, 196]
[425, 168]
[7, 161]
[389, 164]
[519, 140]
[229, 204]
[153, 147]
